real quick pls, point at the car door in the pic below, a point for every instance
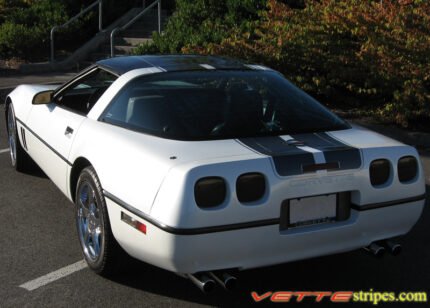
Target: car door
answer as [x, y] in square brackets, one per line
[55, 125]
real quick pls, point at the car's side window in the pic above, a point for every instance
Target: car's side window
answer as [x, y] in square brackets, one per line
[81, 95]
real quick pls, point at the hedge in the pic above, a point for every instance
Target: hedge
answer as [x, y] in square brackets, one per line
[25, 25]
[351, 54]
[25, 30]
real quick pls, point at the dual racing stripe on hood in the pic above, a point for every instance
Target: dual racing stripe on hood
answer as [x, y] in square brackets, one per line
[290, 157]
[334, 150]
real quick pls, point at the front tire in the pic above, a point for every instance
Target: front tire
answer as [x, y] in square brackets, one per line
[19, 157]
[100, 249]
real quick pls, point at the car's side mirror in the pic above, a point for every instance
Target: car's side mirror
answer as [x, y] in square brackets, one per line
[43, 98]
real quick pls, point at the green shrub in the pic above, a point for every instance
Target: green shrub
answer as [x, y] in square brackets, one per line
[25, 32]
[370, 55]
[15, 40]
[201, 21]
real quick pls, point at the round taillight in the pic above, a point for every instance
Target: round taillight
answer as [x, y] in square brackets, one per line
[210, 191]
[379, 172]
[407, 168]
[250, 187]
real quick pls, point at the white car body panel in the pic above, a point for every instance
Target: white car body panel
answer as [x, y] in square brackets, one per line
[262, 246]
[152, 180]
[50, 122]
[171, 196]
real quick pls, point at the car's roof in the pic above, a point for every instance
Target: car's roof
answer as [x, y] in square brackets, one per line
[121, 65]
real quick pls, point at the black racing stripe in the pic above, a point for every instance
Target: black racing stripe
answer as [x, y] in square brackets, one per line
[191, 231]
[242, 225]
[316, 167]
[288, 159]
[292, 164]
[334, 150]
[271, 145]
[372, 206]
[44, 142]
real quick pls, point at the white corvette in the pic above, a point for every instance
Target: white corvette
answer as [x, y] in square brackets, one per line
[201, 165]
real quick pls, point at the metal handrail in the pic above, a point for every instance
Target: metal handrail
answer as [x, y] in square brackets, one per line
[138, 16]
[91, 6]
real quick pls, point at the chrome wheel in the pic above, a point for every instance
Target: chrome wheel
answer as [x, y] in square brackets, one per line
[11, 128]
[90, 221]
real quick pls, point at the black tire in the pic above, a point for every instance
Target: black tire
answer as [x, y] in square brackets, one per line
[20, 160]
[103, 260]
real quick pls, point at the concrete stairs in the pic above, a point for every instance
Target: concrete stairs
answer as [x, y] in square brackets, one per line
[98, 47]
[125, 41]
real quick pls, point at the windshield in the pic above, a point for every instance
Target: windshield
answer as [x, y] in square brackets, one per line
[204, 105]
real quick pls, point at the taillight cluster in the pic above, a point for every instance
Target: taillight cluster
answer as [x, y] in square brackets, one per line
[380, 170]
[211, 192]
[407, 168]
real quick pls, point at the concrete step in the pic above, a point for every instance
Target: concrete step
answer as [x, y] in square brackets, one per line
[138, 33]
[132, 41]
[126, 42]
[119, 49]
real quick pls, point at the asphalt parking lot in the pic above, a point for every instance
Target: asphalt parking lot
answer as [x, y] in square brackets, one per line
[38, 237]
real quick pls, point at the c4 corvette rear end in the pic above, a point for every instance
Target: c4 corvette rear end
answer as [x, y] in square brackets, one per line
[200, 165]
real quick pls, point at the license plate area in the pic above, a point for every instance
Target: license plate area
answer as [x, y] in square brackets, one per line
[307, 211]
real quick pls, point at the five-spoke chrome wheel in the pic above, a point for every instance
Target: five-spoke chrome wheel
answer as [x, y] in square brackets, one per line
[11, 128]
[90, 221]
[100, 249]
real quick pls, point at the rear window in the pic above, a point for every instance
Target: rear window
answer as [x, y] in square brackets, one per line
[204, 105]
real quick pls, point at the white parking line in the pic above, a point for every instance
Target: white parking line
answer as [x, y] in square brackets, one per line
[61, 273]
[4, 151]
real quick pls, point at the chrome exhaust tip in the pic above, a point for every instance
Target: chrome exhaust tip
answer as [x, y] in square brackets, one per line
[226, 280]
[394, 248]
[375, 250]
[203, 282]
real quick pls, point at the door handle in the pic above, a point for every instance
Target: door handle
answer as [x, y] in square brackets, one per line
[69, 131]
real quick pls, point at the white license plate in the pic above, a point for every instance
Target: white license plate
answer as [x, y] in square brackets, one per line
[312, 210]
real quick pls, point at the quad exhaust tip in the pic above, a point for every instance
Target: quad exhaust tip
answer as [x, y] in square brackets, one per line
[394, 248]
[378, 249]
[206, 281]
[203, 282]
[226, 280]
[375, 250]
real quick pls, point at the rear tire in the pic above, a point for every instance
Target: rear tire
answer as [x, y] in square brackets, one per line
[100, 249]
[19, 157]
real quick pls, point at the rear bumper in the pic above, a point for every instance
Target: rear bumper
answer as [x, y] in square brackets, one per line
[258, 246]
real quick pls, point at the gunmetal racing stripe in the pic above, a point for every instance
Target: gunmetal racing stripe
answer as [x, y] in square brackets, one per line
[334, 150]
[235, 226]
[288, 159]
[291, 158]
[372, 206]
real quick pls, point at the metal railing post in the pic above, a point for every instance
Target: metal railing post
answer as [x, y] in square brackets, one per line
[159, 16]
[87, 9]
[100, 15]
[124, 27]
[112, 42]
[52, 44]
